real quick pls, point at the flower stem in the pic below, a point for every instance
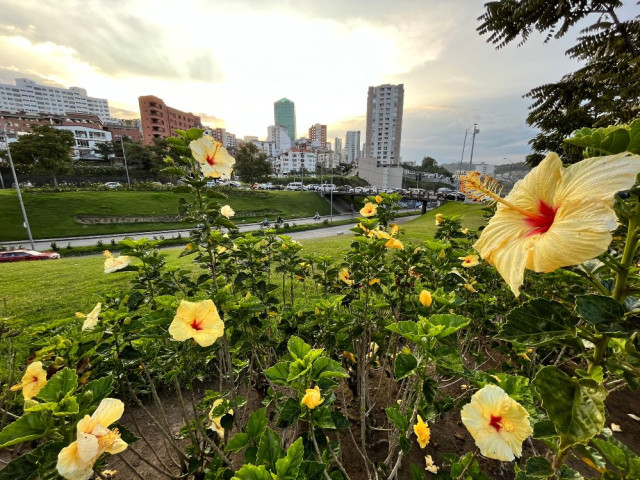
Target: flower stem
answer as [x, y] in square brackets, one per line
[468, 465]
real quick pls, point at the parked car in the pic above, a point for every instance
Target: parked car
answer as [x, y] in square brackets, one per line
[360, 190]
[417, 192]
[294, 186]
[444, 190]
[312, 187]
[327, 187]
[277, 187]
[234, 184]
[265, 186]
[344, 189]
[372, 190]
[211, 183]
[456, 196]
[112, 184]
[26, 255]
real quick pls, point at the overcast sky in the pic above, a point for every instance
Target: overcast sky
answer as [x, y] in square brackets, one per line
[229, 60]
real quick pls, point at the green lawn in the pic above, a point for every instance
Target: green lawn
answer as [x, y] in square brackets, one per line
[53, 214]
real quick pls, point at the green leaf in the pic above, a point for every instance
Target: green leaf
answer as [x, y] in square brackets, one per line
[58, 386]
[405, 364]
[325, 367]
[26, 428]
[538, 322]
[269, 449]
[257, 423]
[278, 373]
[95, 391]
[297, 368]
[251, 472]
[288, 467]
[67, 406]
[538, 467]
[604, 313]
[298, 348]
[398, 419]
[321, 417]
[448, 360]
[614, 454]
[289, 413]
[310, 470]
[576, 407]
[26, 467]
[237, 442]
[417, 473]
[443, 325]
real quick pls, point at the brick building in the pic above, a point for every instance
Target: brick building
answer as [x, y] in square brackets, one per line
[159, 120]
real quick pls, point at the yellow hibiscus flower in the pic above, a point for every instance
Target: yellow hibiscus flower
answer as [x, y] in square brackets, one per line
[213, 158]
[469, 288]
[369, 210]
[555, 216]
[497, 423]
[394, 229]
[216, 426]
[75, 462]
[469, 261]
[312, 398]
[197, 320]
[425, 298]
[34, 378]
[439, 218]
[345, 276]
[113, 264]
[431, 467]
[378, 199]
[227, 211]
[92, 319]
[422, 431]
[373, 281]
[394, 243]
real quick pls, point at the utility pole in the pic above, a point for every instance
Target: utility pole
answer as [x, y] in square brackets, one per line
[473, 141]
[124, 156]
[331, 187]
[15, 179]
[464, 144]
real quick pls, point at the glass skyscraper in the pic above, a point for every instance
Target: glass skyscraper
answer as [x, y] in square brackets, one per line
[284, 113]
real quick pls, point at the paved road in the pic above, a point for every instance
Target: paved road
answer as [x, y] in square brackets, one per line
[45, 244]
[335, 231]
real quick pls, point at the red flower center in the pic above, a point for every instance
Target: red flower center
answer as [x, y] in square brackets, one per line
[211, 160]
[495, 423]
[196, 324]
[541, 221]
[34, 380]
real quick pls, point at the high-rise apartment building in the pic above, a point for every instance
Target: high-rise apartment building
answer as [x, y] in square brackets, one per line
[353, 146]
[318, 135]
[159, 120]
[384, 123]
[337, 145]
[284, 113]
[31, 97]
[278, 134]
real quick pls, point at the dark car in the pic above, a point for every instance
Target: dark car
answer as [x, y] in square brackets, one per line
[26, 255]
[344, 189]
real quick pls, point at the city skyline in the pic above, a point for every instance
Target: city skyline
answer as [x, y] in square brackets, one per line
[452, 77]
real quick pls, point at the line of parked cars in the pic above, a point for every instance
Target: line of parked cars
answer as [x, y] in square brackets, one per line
[23, 255]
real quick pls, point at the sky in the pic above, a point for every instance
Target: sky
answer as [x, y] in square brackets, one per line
[229, 60]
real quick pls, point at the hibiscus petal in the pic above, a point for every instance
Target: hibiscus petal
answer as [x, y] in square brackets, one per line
[541, 183]
[208, 336]
[116, 447]
[70, 466]
[88, 448]
[493, 446]
[180, 330]
[599, 178]
[109, 411]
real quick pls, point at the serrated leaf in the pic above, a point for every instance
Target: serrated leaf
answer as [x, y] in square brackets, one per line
[322, 417]
[443, 325]
[538, 467]
[576, 407]
[325, 367]
[406, 363]
[237, 442]
[604, 313]
[397, 418]
[538, 322]
[278, 373]
[26, 428]
[269, 449]
[298, 348]
[58, 386]
[257, 423]
[251, 472]
[289, 413]
[26, 467]
[288, 467]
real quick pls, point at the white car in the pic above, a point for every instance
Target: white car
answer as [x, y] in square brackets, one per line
[112, 184]
[327, 187]
[360, 190]
[294, 186]
[312, 187]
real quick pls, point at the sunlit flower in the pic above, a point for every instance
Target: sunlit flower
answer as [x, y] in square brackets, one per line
[425, 298]
[497, 423]
[227, 211]
[394, 243]
[465, 231]
[380, 234]
[92, 319]
[422, 431]
[213, 158]
[362, 227]
[373, 281]
[378, 199]
[394, 229]
[113, 264]
[413, 273]
[431, 467]
[349, 356]
[345, 276]
[197, 320]
[75, 462]
[369, 210]
[469, 288]
[469, 261]
[220, 249]
[34, 378]
[439, 218]
[373, 348]
[555, 216]
[216, 426]
[312, 398]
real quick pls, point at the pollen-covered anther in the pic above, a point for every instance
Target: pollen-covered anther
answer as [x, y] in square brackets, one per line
[486, 190]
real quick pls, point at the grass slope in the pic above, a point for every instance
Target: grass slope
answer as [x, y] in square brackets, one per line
[53, 214]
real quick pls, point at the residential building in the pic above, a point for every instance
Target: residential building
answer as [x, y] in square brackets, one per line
[131, 129]
[353, 146]
[318, 135]
[284, 113]
[159, 120]
[328, 159]
[249, 138]
[30, 97]
[266, 147]
[337, 145]
[294, 160]
[280, 136]
[384, 124]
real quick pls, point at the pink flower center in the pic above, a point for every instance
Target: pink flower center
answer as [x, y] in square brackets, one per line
[542, 221]
[196, 324]
[495, 423]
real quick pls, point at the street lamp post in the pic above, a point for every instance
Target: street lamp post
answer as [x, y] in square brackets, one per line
[124, 156]
[473, 141]
[331, 187]
[15, 179]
